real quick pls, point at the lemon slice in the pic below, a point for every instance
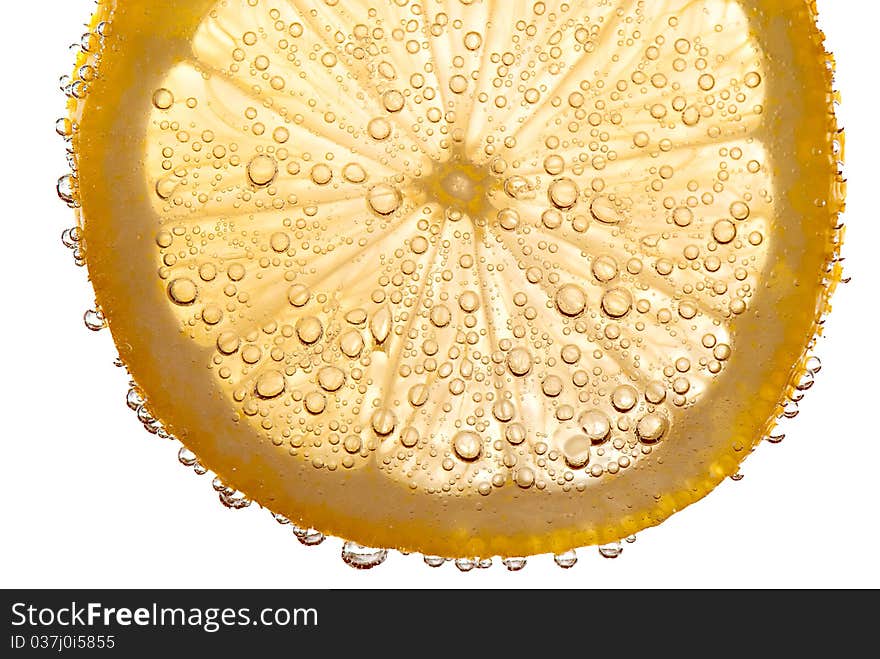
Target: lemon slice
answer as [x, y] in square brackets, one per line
[468, 278]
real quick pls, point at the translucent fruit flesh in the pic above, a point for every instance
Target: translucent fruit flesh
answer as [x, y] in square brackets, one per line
[466, 278]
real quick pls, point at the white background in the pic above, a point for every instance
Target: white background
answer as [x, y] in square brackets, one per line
[91, 500]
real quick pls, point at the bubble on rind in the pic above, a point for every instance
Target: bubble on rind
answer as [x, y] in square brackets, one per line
[362, 558]
[94, 320]
[612, 550]
[465, 564]
[566, 560]
[514, 564]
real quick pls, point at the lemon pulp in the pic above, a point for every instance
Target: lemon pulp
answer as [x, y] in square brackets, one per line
[466, 278]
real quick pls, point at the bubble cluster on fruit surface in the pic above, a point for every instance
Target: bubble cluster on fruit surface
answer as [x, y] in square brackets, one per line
[511, 272]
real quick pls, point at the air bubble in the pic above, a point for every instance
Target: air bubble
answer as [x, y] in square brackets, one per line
[383, 422]
[467, 445]
[94, 320]
[65, 189]
[617, 302]
[473, 41]
[519, 361]
[309, 329]
[384, 199]
[379, 129]
[613, 550]
[652, 427]
[604, 210]
[576, 450]
[570, 300]
[563, 193]
[596, 425]
[262, 170]
[270, 385]
[354, 173]
[163, 99]
[514, 564]
[566, 560]
[362, 558]
[307, 537]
